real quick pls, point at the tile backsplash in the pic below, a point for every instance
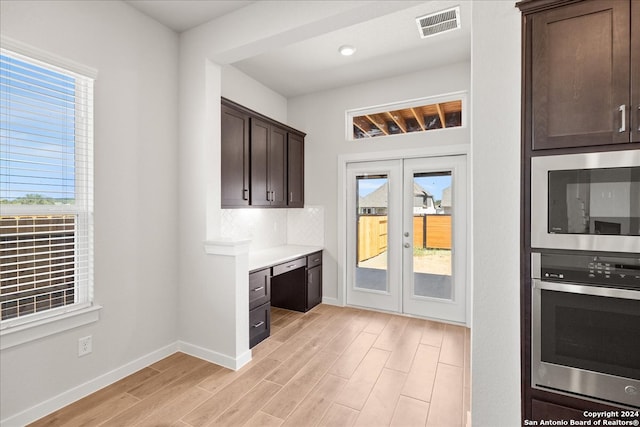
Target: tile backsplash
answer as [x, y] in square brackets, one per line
[275, 227]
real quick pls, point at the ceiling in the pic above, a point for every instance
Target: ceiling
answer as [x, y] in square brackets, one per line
[387, 45]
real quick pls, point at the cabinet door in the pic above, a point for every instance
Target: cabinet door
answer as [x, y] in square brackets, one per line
[260, 137]
[580, 83]
[278, 166]
[295, 166]
[235, 158]
[314, 286]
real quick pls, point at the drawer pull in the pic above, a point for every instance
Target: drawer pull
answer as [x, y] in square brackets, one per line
[316, 260]
[257, 325]
[291, 266]
[259, 288]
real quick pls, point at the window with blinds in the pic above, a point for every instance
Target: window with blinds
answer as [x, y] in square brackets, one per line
[46, 189]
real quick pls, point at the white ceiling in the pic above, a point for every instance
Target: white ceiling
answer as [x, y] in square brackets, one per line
[387, 45]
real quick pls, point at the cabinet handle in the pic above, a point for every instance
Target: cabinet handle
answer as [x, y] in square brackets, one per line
[290, 196]
[257, 325]
[310, 278]
[638, 117]
[245, 194]
[273, 196]
[623, 118]
[259, 288]
[291, 266]
[316, 260]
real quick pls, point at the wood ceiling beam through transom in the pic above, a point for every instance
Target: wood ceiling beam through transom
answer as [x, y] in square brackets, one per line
[378, 122]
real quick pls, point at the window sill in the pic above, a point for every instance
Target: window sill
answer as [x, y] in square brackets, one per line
[42, 328]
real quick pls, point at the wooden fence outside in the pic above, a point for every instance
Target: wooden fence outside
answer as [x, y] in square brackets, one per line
[429, 232]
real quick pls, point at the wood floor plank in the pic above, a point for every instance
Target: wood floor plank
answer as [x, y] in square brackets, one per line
[339, 416]
[284, 402]
[260, 419]
[162, 397]
[357, 390]
[172, 412]
[377, 322]
[177, 369]
[405, 348]
[381, 404]
[229, 394]
[422, 374]
[452, 352]
[410, 412]
[312, 409]
[445, 409]
[347, 363]
[432, 333]
[242, 411]
[91, 404]
[391, 333]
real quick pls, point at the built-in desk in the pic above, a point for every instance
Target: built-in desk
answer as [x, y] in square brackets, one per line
[288, 277]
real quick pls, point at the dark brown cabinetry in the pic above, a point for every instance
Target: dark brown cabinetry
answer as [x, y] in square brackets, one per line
[259, 306]
[295, 175]
[314, 280]
[581, 92]
[292, 285]
[235, 152]
[581, 73]
[268, 164]
[262, 160]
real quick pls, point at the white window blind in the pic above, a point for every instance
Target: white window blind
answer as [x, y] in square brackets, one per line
[46, 189]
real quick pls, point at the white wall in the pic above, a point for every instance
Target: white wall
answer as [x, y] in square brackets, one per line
[322, 116]
[495, 144]
[136, 269]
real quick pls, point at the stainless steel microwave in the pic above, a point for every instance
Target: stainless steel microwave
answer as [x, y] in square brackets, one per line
[586, 201]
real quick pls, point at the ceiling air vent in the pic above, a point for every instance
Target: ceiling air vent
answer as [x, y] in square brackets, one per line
[439, 22]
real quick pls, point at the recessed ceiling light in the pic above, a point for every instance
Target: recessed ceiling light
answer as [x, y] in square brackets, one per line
[347, 50]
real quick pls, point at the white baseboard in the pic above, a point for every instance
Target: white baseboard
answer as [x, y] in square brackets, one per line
[63, 399]
[214, 356]
[331, 301]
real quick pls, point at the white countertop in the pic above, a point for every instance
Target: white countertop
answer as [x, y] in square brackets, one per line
[278, 254]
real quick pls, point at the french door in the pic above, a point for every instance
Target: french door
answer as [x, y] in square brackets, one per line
[406, 236]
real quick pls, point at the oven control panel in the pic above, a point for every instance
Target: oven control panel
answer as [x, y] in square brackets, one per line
[614, 271]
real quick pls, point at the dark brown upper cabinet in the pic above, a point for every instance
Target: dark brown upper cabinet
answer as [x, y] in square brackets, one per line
[295, 167]
[268, 164]
[582, 73]
[262, 160]
[235, 155]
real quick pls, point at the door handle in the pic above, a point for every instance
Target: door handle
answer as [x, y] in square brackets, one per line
[407, 245]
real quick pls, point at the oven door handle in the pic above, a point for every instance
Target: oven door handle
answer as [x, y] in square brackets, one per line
[576, 288]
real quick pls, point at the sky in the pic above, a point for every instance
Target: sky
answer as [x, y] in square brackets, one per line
[432, 184]
[37, 131]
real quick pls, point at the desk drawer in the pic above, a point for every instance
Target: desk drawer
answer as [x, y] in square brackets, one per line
[314, 259]
[259, 287]
[259, 324]
[289, 266]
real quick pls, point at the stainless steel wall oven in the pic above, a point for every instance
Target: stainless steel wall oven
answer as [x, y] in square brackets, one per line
[586, 325]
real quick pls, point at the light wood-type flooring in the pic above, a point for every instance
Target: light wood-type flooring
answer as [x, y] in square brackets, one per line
[332, 366]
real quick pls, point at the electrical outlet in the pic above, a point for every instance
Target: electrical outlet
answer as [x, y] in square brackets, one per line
[84, 345]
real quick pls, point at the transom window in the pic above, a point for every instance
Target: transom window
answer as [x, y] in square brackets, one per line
[407, 117]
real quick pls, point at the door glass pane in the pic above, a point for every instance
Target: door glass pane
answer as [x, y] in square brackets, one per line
[372, 221]
[432, 207]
